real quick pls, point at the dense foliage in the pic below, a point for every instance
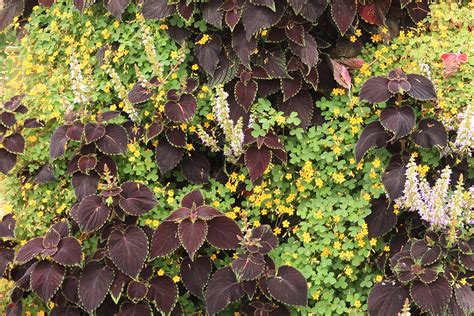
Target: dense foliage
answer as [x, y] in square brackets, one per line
[218, 157]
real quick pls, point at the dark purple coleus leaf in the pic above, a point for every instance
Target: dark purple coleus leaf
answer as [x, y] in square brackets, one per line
[433, 297]
[400, 121]
[343, 13]
[375, 90]
[136, 290]
[381, 219]
[93, 132]
[195, 274]
[185, 9]
[51, 239]
[373, 135]
[465, 298]
[114, 141]
[163, 292]
[242, 47]
[196, 168]
[222, 290]
[154, 130]
[28, 251]
[84, 184]
[182, 110]
[176, 137]
[387, 298]
[157, 9]
[128, 249]
[430, 133]
[33, 123]
[65, 311]
[167, 156]
[7, 226]
[421, 88]
[57, 147]
[45, 174]
[87, 163]
[264, 239]
[116, 7]
[295, 33]
[7, 161]
[257, 160]
[393, 179]
[74, 131]
[308, 53]
[248, 266]
[46, 278]
[341, 74]
[92, 213]
[245, 93]
[211, 13]
[291, 87]
[208, 54]
[288, 286]
[312, 10]
[223, 233]
[69, 252]
[302, 104]
[256, 18]
[14, 143]
[94, 283]
[70, 289]
[192, 235]
[134, 309]
[193, 198]
[426, 255]
[7, 119]
[136, 198]
[6, 256]
[165, 240]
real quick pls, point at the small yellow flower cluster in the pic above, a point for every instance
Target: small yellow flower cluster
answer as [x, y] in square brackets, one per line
[204, 39]
[338, 177]
[360, 237]
[338, 91]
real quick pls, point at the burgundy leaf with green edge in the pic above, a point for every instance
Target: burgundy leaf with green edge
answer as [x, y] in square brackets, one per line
[58, 142]
[211, 13]
[242, 47]
[223, 233]
[185, 9]
[428, 274]
[28, 251]
[295, 33]
[136, 290]
[7, 161]
[195, 274]
[6, 256]
[421, 88]
[45, 174]
[393, 179]
[154, 130]
[65, 311]
[165, 240]
[206, 212]
[375, 90]
[398, 86]
[94, 284]
[257, 160]
[430, 133]
[15, 143]
[223, 289]
[309, 53]
[7, 226]
[176, 137]
[115, 140]
[86, 163]
[136, 198]
[182, 110]
[291, 87]
[93, 132]
[302, 104]
[232, 17]
[84, 184]
[249, 287]
[163, 292]
[400, 121]
[128, 249]
[264, 239]
[135, 309]
[248, 266]
[46, 279]
[373, 135]
[192, 198]
[297, 5]
[157, 9]
[51, 239]
[312, 10]
[465, 298]
[256, 18]
[426, 254]
[387, 298]
[274, 65]
[208, 54]
[7, 119]
[74, 131]
[92, 213]
[69, 252]
[381, 219]
[343, 13]
[433, 297]
[341, 74]
[116, 7]
[196, 168]
[288, 286]
[245, 93]
[167, 156]
[192, 235]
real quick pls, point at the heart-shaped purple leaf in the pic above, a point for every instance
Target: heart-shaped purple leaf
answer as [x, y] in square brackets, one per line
[223, 233]
[373, 135]
[163, 292]
[288, 286]
[46, 278]
[195, 274]
[94, 284]
[222, 290]
[115, 140]
[192, 235]
[92, 213]
[165, 240]
[69, 252]
[136, 198]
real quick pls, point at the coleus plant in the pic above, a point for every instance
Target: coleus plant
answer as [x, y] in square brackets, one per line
[12, 143]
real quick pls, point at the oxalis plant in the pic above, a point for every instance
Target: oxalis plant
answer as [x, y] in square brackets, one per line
[431, 254]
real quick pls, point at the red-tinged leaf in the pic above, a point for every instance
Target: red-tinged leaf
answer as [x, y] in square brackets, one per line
[154, 130]
[387, 298]
[6, 256]
[232, 18]
[94, 283]
[341, 74]
[86, 163]
[7, 119]
[136, 290]
[183, 110]
[157, 9]
[352, 63]
[430, 133]
[288, 286]
[381, 219]
[58, 142]
[136, 198]
[46, 278]
[115, 140]
[7, 226]
[192, 235]
[134, 309]
[302, 104]
[421, 88]
[93, 132]
[14, 309]
[243, 48]
[128, 249]
[192, 198]
[265, 240]
[257, 160]
[291, 87]
[343, 13]
[7, 161]
[176, 137]
[248, 266]
[164, 293]
[65, 311]
[375, 90]
[211, 13]
[14, 143]
[84, 184]
[74, 131]
[167, 156]
[196, 168]
[208, 54]
[223, 233]
[28, 251]
[9, 11]
[295, 33]
[313, 9]
[45, 175]
[195, 274]
[433, 297]
[245, 93]
[418, 10]
[165, 240]
[185, 10]
[465, 298]
[373, 135]
[309, 53]
[92, 213]
[400, 121]
[452, 62]
[222, 290]
[256, 18]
